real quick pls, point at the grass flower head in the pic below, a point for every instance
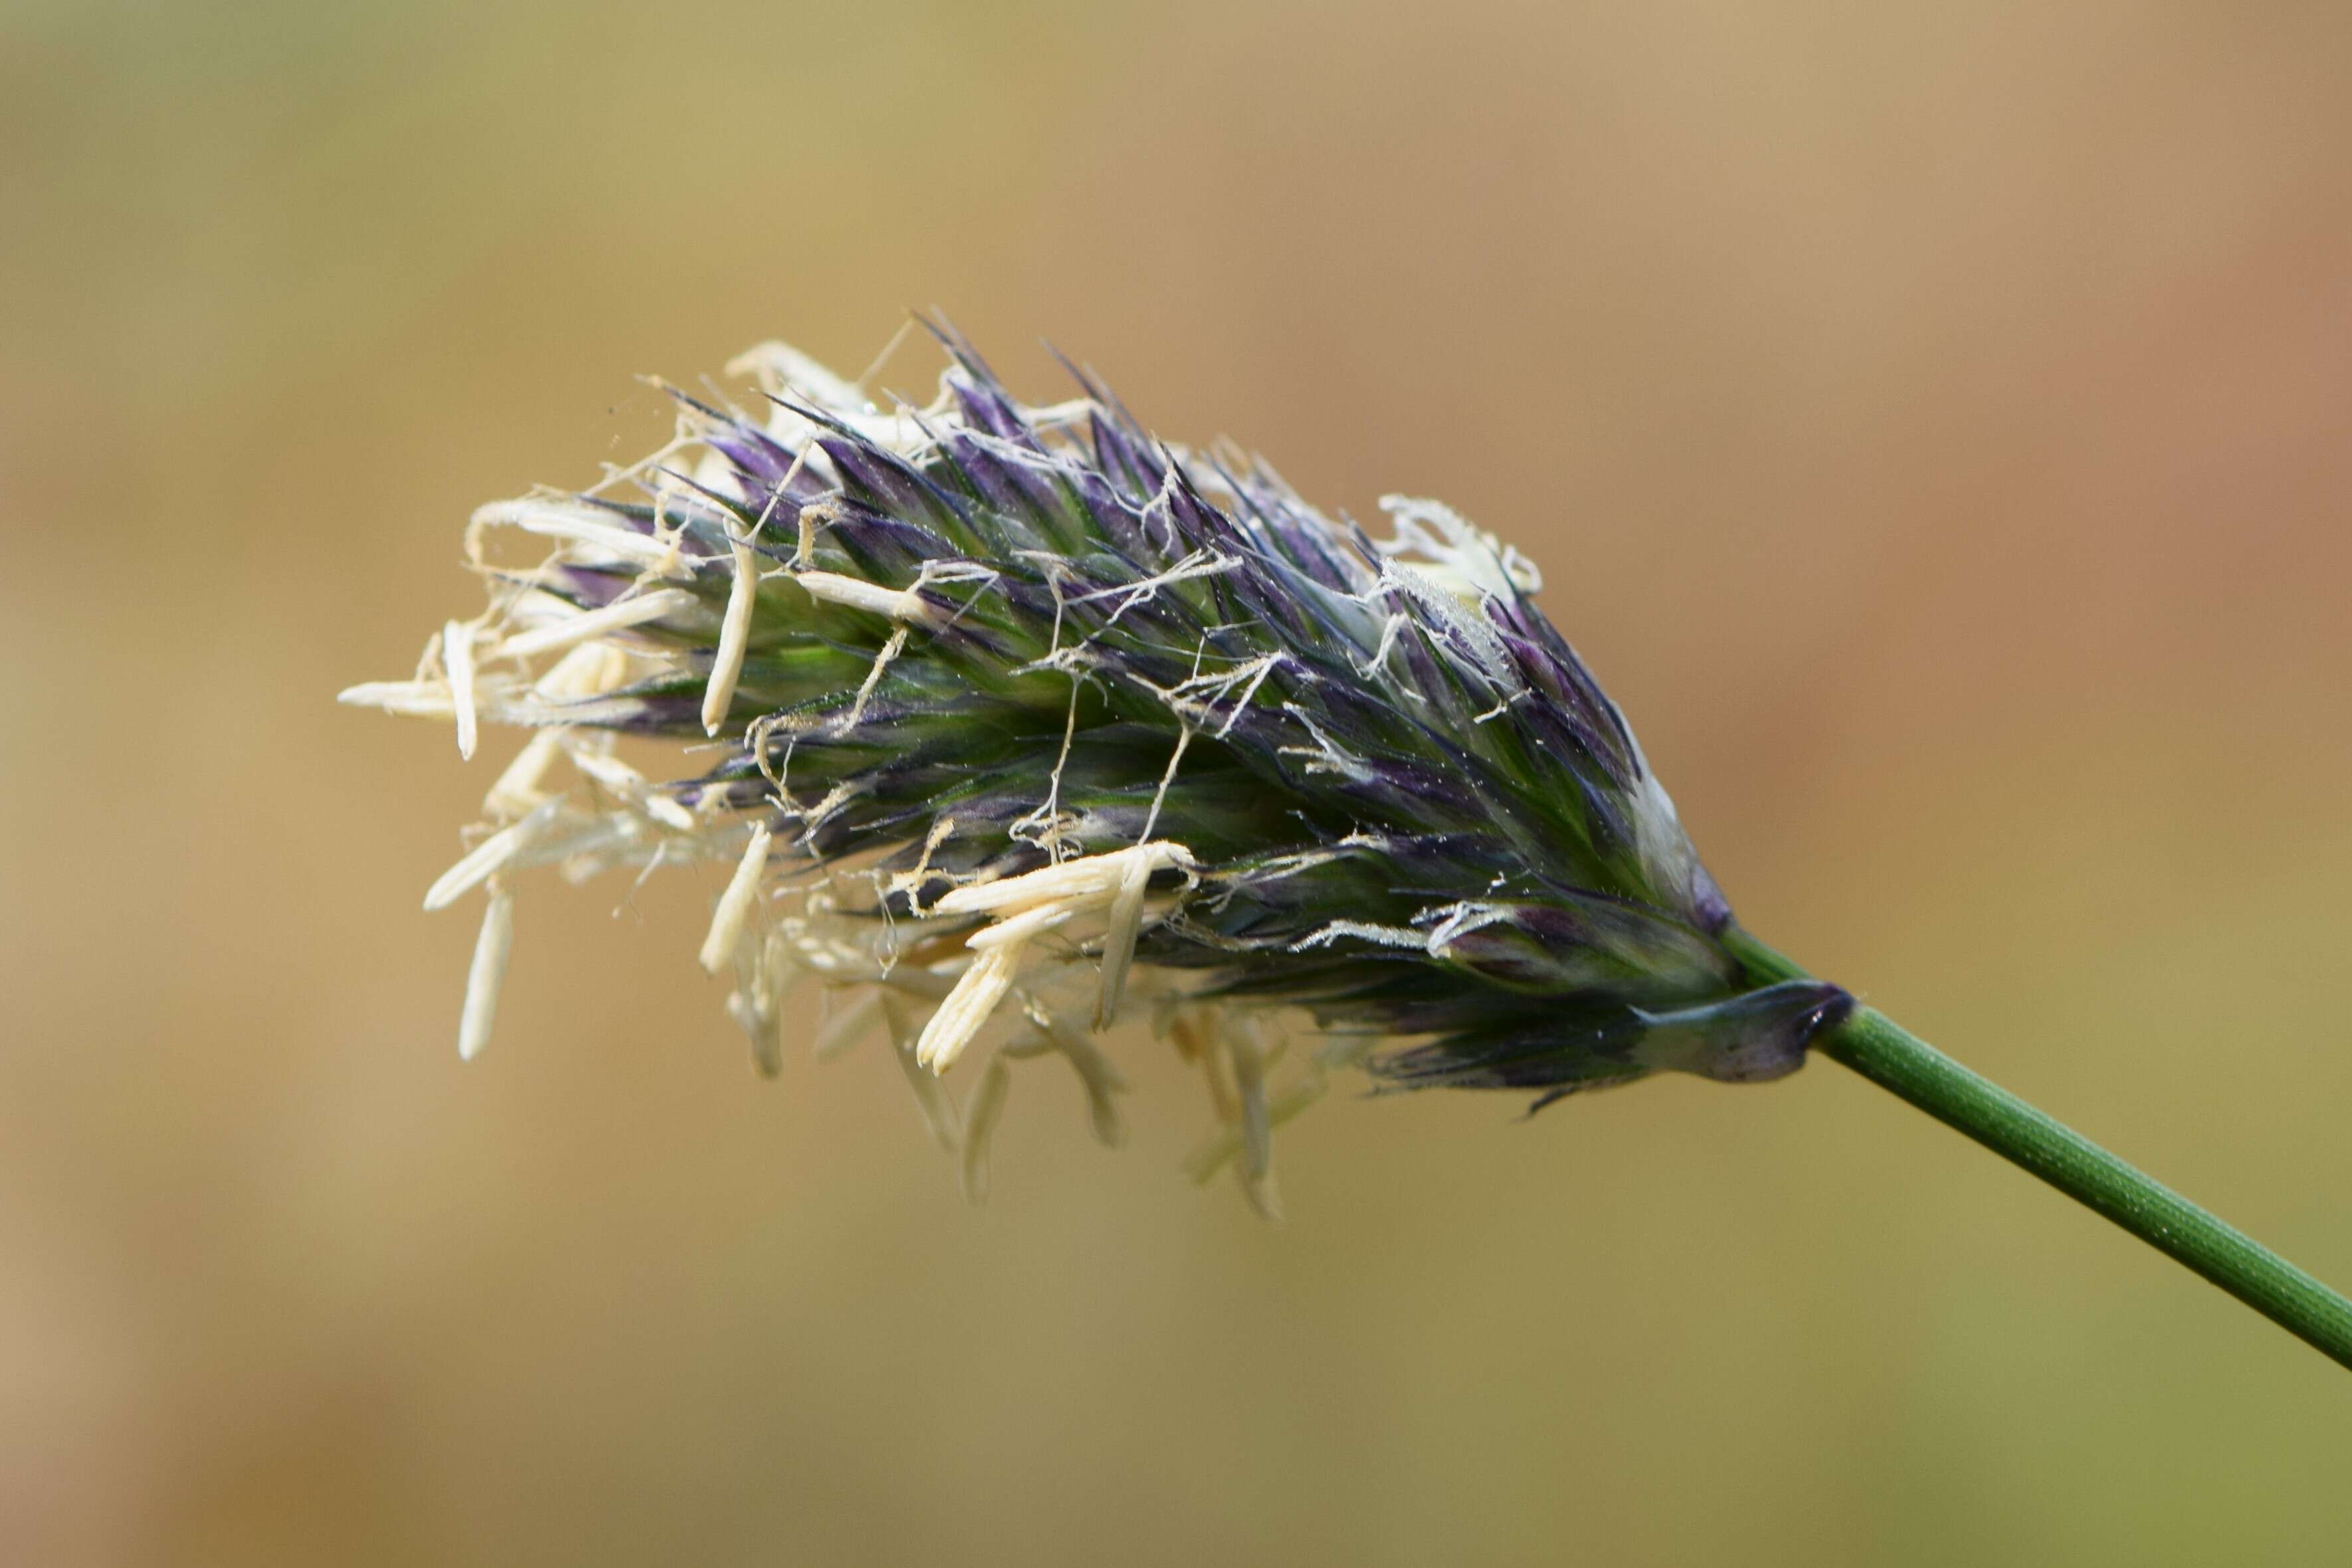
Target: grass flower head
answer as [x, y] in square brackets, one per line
[1027, 722]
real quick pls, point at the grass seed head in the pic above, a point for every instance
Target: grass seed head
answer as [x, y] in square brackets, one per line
[1030, 723]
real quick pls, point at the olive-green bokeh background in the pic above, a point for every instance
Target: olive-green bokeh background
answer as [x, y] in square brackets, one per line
[1935, 423]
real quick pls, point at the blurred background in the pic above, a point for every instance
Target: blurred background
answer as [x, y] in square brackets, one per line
[1934, 423]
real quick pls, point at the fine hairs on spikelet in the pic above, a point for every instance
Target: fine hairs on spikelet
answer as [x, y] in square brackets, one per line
[1030, 725]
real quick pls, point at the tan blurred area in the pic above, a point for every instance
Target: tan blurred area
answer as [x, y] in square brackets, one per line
[1934, 423]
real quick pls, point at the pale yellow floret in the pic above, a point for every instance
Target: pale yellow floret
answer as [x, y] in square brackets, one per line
[967, 1007]
[734, 633]
[484, 859]
[580, 525]
[856, 593]
[584, 671]
[410, 699]
[1088, 881]
[779, 971]
[1026, 907]
[570, 630]
[517, 789]
[632, 787]
[1014, 930]
[765, 975]
[487, 975]
[457, 656]
[735, 903]
[1118, 941]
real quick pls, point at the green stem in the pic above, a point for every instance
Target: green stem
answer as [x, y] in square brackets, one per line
[1889, 1056]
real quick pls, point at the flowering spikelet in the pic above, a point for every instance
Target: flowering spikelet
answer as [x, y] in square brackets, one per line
[1031, 723]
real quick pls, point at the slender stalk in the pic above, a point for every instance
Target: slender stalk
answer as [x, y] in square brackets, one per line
[1891, 1057]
